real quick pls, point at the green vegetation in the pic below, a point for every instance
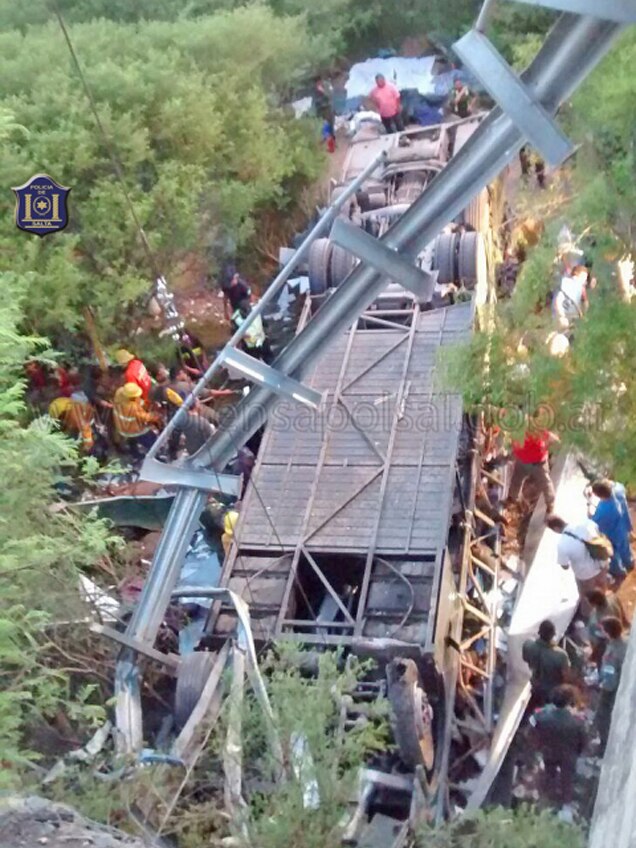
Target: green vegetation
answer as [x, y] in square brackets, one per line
[191, 97]
[40, 554]
[322, 764]
[589, 395]
[501, 828]
[191, 108]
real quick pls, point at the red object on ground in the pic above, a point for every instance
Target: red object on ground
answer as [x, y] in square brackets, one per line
[136, 373]
[533, 450]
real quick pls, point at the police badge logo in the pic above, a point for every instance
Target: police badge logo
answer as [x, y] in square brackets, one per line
[41, 205]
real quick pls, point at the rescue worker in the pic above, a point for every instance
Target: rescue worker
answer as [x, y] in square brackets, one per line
[603, 605]
[529, 159]
[610, 676]
[573, 551]
[322, 101]
[560, 736]
[570, 301]
[548, 663]
[613, 520]
[136, 372]
[255, 340]
[195, 428]
[164, 392]
[230, 520]
[66, 379]
[532, 461]
[461, 99]
[133, 422]
[388, 103]
[76, 417]
[236, 292]
[192, 354]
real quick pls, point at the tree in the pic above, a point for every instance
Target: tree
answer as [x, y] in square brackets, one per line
[191, 109]
[589, 395]
[499, 828]
[40, 553]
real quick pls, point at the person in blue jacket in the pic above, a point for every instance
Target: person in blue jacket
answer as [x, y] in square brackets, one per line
[613, 520]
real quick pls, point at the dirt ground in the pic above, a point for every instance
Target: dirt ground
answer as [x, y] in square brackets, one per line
[33, 822]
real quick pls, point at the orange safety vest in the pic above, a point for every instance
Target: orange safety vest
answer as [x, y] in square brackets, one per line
[76, 417]
[131, 419]
[79, 420]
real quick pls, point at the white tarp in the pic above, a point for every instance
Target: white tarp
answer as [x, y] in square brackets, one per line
[402, 72]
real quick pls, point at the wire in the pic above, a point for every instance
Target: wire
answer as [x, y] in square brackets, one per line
[119, 173]
[107, 141]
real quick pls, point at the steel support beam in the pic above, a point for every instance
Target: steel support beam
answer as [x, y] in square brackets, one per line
[516, 99]
[621, 11]
[485, 15]
[261, 374]
[179, 528]
[178, 475]
[371, 251]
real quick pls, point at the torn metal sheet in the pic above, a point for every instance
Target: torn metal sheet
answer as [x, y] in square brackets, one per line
[83, 755]
[246, 643]
[305, 770]
[103, 606]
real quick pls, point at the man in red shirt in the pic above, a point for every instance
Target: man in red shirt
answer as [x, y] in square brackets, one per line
[532, 460]
[136, 371]
[386, 98]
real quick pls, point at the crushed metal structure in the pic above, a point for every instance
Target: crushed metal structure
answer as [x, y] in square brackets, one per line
[573, 48]
[354, 500]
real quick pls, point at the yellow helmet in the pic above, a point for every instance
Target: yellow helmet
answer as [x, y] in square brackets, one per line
[230, 520]
[123, 357]
[59, 406]
[173, 397]
[132, 391]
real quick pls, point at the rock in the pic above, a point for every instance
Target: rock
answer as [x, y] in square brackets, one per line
[33, 821]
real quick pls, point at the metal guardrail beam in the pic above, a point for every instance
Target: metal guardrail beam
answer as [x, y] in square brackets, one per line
[178, 530]
[386, 261]
[261, 374]
[517, 100]
[620, 11]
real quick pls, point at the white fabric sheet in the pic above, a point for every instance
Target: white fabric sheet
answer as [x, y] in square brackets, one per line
[402, 72]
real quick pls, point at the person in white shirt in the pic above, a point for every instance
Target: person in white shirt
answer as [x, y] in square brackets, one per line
[572, 553]
[570, 299]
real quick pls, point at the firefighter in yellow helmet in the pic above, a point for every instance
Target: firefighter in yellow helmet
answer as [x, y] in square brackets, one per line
[76, 417]
[134, 424]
